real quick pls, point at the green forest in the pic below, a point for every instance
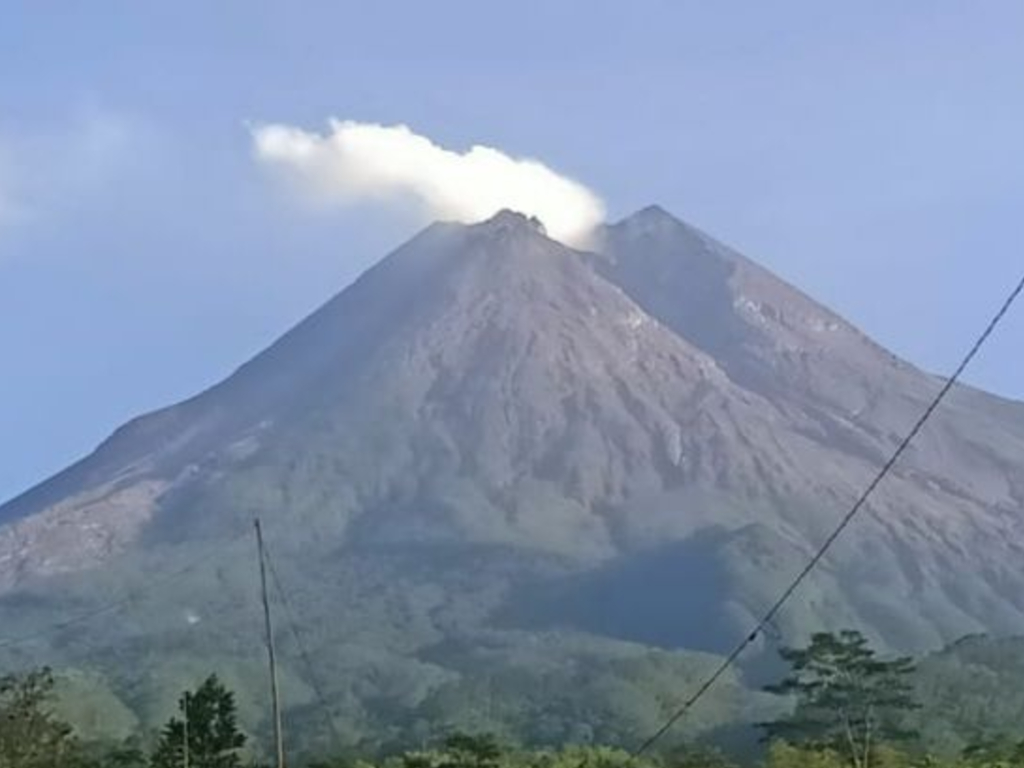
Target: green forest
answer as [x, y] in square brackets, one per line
[840, 704]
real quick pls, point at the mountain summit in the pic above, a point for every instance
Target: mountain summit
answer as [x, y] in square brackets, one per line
[490, 437]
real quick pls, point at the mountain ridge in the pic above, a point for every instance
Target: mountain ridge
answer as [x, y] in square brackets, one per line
[490, 437]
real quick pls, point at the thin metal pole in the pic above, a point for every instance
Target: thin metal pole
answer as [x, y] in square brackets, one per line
[274, 695]
[184, 740]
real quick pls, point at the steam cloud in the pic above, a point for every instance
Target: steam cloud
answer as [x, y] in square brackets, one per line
[354, 162]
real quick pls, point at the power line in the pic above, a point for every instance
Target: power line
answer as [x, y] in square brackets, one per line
[115, 605]
[843, 523]
[303, 650]
[67, 623]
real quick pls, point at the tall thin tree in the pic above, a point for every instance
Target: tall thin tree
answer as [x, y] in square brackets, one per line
[846, 698]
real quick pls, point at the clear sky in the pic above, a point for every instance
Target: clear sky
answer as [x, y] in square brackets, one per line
[872, 153]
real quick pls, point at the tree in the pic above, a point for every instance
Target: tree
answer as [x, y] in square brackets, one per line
[213, 735]
[588, 757]
[697, 756]
[995, 750]
[783, 755]
[30, 735]
[459, 750]
[847, 699]
[106, 753]
[473, 751]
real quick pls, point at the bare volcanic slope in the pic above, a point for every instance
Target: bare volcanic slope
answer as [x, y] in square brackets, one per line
[491, 442]
[934, 553]
[480, 385]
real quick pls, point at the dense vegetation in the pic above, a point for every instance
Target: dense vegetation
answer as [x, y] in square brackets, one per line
[846, 707]
[399, 648]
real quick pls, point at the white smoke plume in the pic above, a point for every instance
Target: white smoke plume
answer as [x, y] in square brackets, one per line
[355, 162]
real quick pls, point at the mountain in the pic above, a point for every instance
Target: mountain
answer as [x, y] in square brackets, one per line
[972, 692]
[495, 463]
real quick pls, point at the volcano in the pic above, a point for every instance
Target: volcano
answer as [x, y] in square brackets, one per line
[495, 463]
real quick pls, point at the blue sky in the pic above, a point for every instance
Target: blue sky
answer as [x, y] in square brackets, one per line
[869, 152]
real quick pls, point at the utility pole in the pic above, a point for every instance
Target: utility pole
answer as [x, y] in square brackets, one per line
[274, 696]
[184, 729]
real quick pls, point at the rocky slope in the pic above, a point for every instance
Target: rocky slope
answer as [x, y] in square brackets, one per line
[491, 439]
